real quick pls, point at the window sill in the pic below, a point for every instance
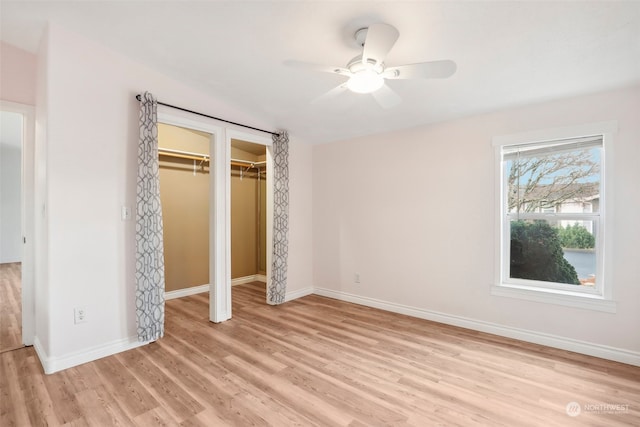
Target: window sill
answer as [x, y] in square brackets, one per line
[569, 299]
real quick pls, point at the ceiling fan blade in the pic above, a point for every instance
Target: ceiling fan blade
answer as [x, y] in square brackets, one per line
[331, 94]
[387, 97]
[317, 67]
[379, 41]
[422, 70]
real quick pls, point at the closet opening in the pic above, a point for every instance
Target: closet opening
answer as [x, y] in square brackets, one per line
[183, 156]
[248, 214]
[202, 247]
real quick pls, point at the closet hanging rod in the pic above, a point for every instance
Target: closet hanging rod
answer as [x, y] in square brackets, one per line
[205, 157]
[139, 98]
[241, 162]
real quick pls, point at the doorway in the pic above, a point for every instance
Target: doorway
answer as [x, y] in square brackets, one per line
[219, 204]
[17, 302]
[248, 212]
[243, 146]
[184, 193]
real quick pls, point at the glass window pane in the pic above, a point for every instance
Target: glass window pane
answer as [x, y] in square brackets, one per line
[556, 251]
[567, 182]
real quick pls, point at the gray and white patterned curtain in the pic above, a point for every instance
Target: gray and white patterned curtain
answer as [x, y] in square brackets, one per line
[278, 284]
[149, 242]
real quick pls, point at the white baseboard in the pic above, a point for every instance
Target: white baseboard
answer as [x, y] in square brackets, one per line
[186, 292]
[583, 347]
[249, 279]
[289, 296]
[239, 281]
[55, 364]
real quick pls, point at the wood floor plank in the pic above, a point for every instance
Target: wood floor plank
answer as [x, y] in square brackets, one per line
[13, 407]
[304, 402]
[100, 409]
[358, 403]
[156, 417]
[31, 389]
[10, 306]
[207, 418]
[172, 398]
[126, 389]
[319, 362]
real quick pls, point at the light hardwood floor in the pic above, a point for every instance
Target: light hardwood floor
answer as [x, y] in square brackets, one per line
[318, 361]
[10, 307]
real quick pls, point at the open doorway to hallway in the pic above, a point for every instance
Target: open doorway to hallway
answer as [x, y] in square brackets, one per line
[12, 126]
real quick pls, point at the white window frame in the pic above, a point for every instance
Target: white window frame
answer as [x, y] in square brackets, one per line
[601, 296]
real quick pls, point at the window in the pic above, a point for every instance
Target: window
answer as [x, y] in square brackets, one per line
[551, 225]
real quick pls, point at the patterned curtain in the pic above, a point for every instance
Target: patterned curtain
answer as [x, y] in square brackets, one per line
[278, 283]
[149, 243]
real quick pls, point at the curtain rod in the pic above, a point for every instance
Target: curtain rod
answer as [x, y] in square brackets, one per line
[138, 97]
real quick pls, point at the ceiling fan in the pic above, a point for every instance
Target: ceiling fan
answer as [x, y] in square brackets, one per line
[367, 72]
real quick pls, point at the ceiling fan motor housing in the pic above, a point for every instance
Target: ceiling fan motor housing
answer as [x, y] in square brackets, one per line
[356, 64]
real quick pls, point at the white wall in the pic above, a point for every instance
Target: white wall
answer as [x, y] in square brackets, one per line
[17, 75]
[413, 212]
[300, 264]
[91, 132]
[42, 303]
[11, 125]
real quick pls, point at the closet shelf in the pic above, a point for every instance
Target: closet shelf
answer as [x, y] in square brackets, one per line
[183, 154]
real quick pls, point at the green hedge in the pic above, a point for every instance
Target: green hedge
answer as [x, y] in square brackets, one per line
[536, 254]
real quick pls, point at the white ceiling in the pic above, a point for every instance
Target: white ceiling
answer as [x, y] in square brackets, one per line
[508, 53]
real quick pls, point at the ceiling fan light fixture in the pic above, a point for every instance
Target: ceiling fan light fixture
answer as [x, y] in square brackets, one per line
[365, 81]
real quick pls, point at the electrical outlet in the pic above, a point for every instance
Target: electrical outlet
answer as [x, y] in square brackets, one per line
[79, 315]
[356, 277]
